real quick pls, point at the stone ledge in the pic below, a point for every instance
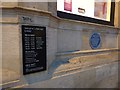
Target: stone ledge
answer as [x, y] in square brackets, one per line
[86, 52]
[71, 68]
[82, 62]
[55, 17]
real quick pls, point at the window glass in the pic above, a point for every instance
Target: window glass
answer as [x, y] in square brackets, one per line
[98, 9]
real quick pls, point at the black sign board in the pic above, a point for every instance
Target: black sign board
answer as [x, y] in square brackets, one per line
[34, 49]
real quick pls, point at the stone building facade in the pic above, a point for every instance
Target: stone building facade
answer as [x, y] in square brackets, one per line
[71, 63]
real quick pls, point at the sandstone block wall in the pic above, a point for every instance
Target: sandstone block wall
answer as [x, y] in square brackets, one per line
[70, 58]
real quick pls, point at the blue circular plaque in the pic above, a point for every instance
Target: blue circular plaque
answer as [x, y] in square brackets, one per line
[95, 40]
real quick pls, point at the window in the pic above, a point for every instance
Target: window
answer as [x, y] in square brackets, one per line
[95, 11]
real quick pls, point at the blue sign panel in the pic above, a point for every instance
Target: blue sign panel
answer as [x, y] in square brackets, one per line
[95, 40]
